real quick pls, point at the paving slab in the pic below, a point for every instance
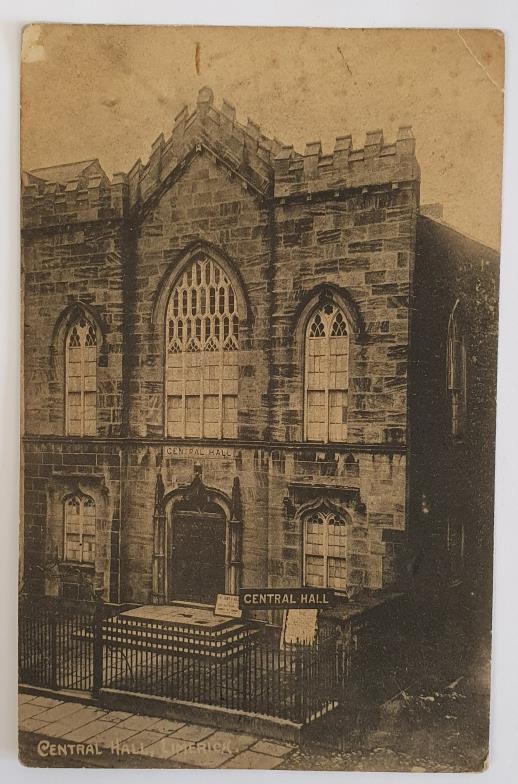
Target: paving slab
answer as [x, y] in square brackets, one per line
[233, 741]
[251, 760]
[72, 722]
[87, 731]
[185, 743]
[166, 726]
[194, 732]
[113, 734]
[118, 715]
[139, 741]
[272, 747]
[60, 711]
[25, 698]
[47, 702]
[137, 723]
[165, 748]
[28, 710]
[31, 725]
[198, 757]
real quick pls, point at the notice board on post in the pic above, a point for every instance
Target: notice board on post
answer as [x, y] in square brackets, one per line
[299, 627]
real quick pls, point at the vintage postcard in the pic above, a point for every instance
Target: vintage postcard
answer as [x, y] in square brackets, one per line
[260, 307]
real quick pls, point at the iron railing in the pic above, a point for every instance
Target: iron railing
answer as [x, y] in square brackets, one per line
[90, 646]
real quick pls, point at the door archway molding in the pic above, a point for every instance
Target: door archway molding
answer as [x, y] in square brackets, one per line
[199, 496]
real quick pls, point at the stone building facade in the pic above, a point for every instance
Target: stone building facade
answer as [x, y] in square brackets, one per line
[236, 364]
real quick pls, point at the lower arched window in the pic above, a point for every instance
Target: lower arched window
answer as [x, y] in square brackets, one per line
[325, 550]
[79, 525]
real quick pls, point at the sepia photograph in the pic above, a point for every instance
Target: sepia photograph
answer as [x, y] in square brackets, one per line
[259, 292]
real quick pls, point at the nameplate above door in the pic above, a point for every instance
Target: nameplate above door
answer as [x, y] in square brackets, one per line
[215, 452]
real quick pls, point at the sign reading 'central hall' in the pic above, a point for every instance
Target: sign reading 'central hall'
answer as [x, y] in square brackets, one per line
[292, 598]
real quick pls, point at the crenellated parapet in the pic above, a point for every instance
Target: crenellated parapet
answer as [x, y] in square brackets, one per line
[90, 196]
[82, 192]
[243, 149]
[375, 163]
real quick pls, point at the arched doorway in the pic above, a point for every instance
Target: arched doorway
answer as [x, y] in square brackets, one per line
[197, 542]
[197, 552]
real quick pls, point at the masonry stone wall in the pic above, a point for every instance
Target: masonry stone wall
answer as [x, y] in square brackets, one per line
[270, 483]
[67, 266]
[291, 229]
[53, 470]
[207, 208]
[362, 244]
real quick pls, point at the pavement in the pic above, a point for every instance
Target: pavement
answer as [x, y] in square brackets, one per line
[72, 734]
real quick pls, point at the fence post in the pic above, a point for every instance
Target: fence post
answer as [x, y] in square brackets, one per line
[53, 652]
[299, 686]
[98, 647]
[247, 680]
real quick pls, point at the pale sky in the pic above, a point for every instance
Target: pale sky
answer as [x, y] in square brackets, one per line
[108, 91]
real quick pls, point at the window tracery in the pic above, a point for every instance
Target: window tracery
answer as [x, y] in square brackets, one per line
[202, 367]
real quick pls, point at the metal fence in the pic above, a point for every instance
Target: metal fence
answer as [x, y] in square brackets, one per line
[55, 644]
[241, 671]
[90, 646]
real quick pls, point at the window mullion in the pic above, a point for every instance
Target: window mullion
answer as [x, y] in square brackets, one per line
[325, 553]
[82, 384]
[306, 384]
[184, 398]
[67, 373]
[220, 391]
[328, 373]
[201, 393]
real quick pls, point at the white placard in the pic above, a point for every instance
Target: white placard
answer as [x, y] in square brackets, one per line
[300, 626]
[228, 604]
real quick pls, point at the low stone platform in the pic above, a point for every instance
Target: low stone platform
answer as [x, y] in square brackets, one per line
[180, 628]
[184, 614]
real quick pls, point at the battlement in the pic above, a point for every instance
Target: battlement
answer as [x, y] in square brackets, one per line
[55, 196]
[79, 192]
[373, 164]
[243, 148]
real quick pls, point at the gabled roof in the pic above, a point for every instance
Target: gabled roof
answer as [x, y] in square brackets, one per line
[66, 172]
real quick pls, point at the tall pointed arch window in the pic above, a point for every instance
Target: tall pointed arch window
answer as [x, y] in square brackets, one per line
[79, 524]
[202, 339]
[81, 378]
[456, 373]
[325, 550]
[326, 375]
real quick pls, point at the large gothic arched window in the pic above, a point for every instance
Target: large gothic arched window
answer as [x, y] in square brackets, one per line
[456, 372]
[326, 375]
[325, 549]
[202, 342]
[81, 378]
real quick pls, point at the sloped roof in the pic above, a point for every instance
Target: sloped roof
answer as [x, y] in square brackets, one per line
[64, 172]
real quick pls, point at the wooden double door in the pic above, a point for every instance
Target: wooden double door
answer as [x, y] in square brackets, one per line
[197, 555]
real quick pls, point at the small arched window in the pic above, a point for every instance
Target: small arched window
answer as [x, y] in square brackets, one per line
[325, 550]
[81, 378]
[456, 373]
[79, 525]
[202, 343]
[326, 375]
